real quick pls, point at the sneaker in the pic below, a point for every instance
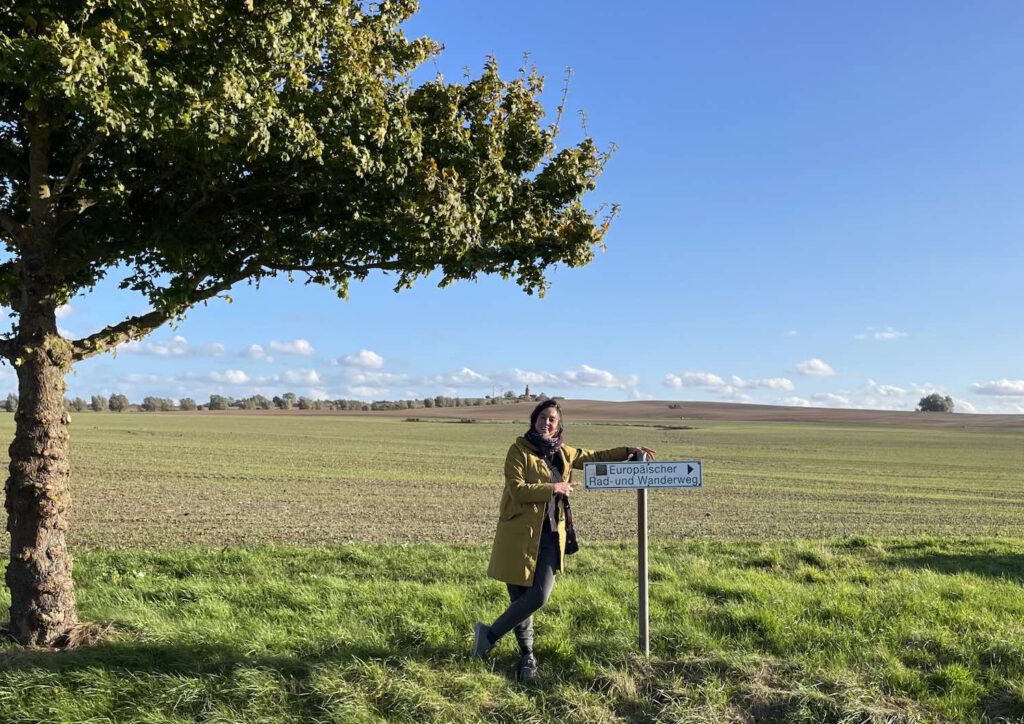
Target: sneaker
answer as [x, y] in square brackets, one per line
[527, 668]
[480, 643]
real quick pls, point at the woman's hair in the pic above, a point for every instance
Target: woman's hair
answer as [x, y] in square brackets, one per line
[540, 408]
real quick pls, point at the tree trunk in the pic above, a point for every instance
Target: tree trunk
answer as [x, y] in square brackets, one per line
[43, 609]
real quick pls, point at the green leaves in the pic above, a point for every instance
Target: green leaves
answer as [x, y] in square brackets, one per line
[205, 143]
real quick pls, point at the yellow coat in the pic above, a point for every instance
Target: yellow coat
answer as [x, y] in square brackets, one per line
[528, 488]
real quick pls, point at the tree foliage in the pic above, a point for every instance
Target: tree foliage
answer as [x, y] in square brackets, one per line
[219, 402]
[201, 144]
[119, 403]
[935, 403]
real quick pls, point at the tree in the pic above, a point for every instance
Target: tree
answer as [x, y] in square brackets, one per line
[78, 405]
[935, 403]
[186, 403]
[98, 403]
[118, 403]
[219, 402]
[158, 404]
[11, 403]
[285, 401]
[199, 145]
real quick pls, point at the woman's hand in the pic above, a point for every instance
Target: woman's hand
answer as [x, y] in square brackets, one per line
[562, 488]
[634, 450]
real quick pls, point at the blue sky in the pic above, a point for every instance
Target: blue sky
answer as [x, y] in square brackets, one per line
[821, 205]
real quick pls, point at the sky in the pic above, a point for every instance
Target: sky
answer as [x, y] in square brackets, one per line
[820, 206]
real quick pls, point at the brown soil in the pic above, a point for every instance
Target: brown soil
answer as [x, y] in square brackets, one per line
[680, 412]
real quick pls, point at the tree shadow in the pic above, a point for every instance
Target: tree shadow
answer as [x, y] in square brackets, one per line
[1005, 566]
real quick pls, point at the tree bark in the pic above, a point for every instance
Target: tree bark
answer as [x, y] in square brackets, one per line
[43, 610]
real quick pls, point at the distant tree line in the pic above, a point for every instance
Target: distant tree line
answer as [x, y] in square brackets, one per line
[287, 401]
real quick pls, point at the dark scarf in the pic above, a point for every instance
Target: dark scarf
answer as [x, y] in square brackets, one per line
[548, 448]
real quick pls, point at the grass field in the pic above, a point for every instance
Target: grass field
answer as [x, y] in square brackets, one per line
[142, 480]
[854, 631]
[329, 569]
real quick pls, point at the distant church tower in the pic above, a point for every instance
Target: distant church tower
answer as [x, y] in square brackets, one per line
[527, 393]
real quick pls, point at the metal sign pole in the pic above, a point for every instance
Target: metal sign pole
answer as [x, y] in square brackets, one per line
[641, 474]
[641, 532]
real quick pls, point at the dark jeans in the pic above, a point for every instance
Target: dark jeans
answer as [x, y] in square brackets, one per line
[528, 599]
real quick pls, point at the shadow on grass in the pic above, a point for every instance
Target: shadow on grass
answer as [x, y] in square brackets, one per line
[634, 688]
[1006, 566]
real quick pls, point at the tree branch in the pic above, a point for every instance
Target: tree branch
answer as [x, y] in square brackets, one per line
[351, 268]
[139, 326]
[76, 164]
[7, 349]
[110, 337]
[10, 225]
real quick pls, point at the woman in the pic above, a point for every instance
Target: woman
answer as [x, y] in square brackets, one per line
[529, 545]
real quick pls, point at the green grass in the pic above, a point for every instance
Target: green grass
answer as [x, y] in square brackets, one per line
[851, 630]
[142, 480]
[283, 568]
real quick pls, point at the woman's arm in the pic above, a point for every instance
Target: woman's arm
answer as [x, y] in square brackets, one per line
[615, 454]
[515, 480]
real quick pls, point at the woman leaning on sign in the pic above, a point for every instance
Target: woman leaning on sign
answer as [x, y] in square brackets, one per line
[529, 545]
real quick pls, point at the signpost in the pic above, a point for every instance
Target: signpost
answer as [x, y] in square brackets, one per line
[641, 475]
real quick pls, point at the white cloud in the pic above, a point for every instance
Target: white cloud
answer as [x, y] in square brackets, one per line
[131, 347]
[463, 378]
[1000, 388]
[886, 390]
[300, 377]
[693, 378]
[231, 377]
[362, 392]
[735, 389]
[881, 335]
[374, 379]
[65, 310]
[792, 333]
[255, 351]
[795, 402]
[582, 377]
[587, 376]
[831, 399]
[771, 383]
[177, 346]
[516, 377]
[638, 395]
[366, 358]
[297, 347]
[815, 367]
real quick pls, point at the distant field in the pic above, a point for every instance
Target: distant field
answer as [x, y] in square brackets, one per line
[142, 480]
